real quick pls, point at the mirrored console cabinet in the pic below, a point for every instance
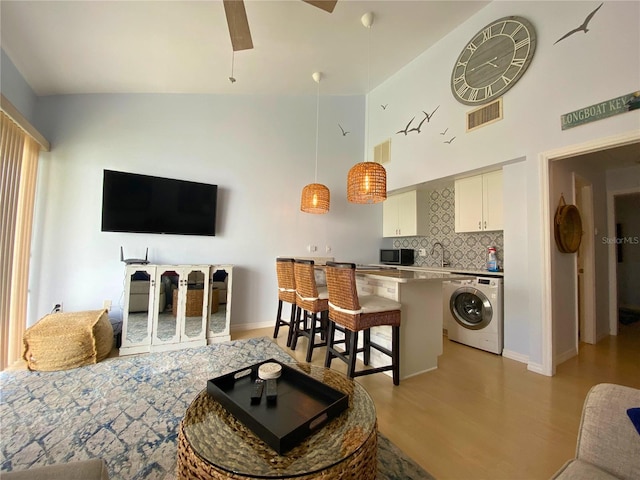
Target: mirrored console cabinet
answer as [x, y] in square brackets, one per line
[168, 307]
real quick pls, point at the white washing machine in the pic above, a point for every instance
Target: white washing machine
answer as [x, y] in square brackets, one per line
[473, 312]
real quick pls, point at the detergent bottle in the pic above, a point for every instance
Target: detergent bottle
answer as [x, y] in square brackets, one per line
[492, 260]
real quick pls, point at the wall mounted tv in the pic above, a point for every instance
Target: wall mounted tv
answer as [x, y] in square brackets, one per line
[146, 204]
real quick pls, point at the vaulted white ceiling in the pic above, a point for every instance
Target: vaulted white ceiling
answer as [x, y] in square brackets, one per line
[68, 47]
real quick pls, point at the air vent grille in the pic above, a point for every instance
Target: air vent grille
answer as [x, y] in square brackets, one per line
[382, 152]
[492, 112]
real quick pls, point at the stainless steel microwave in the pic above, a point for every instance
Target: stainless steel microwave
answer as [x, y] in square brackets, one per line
[396, 256]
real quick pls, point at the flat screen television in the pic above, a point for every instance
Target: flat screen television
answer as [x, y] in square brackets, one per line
[144, 204]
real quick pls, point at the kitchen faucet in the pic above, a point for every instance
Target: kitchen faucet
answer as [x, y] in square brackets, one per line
[442, 262]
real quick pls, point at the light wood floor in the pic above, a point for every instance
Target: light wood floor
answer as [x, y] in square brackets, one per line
[482, 416]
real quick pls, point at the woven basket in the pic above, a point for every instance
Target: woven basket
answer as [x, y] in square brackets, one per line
[567, 227]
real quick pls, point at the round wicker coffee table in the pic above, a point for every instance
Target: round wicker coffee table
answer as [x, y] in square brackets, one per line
[212, 444]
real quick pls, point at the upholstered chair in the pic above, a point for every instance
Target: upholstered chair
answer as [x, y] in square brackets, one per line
[356, 314]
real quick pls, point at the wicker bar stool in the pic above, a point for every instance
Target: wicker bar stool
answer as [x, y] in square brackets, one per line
[314, 302]
[359, 313]
[286, 293]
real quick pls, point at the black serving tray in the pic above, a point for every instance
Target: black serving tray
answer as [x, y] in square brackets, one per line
[304, 404]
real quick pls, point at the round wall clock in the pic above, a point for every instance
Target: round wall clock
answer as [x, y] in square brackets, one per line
[493, 60]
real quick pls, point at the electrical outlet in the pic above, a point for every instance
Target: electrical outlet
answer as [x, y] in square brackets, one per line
[422, 252]
[107, 304]
[312, 248]
[327, 249]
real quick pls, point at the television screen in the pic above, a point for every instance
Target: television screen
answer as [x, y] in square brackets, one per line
[146, 204]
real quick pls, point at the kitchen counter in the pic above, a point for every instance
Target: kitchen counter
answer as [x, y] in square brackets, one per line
[402, 275]
[462, 271]
[420, 293]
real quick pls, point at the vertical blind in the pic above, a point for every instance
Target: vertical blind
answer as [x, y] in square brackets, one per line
[17, 194]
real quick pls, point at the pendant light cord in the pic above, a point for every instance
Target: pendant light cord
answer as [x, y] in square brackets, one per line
[317, 123]
[368, 90]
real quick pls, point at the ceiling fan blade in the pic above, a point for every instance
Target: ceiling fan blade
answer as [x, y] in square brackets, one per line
[326, 5]
[238, 25]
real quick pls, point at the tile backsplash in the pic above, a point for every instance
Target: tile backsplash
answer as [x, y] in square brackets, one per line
[461, 250]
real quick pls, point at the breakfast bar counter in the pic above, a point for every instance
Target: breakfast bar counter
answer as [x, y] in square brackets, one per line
[420, 293]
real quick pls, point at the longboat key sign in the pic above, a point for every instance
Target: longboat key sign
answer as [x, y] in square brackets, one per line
[598, 111]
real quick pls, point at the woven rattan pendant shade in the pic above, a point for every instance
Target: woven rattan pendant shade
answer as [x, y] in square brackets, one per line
[315, 199]
[367, 183]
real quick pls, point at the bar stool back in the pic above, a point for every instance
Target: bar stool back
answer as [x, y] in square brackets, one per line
[314, 302]
[286, 293]
[359, 313]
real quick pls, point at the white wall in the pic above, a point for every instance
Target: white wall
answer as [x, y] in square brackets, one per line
[260, 151]
[577, 72]
[240, 143]
[15, 89]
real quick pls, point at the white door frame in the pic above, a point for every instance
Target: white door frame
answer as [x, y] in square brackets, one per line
[587, 301]
[548, 360]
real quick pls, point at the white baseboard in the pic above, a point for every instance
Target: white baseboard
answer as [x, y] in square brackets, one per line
[564, 356]
[518, 357]
[536, 368]
[251, 326]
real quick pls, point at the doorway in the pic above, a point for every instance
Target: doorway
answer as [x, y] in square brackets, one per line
[627, 257]
[559, 275]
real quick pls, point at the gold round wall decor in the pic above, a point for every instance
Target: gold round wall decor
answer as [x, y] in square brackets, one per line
[567, 227]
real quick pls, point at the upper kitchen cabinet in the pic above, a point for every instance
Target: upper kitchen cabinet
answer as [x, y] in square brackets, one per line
[479, 203]
[405, 214]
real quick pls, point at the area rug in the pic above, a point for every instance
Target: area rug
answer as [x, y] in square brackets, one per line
[127, 410]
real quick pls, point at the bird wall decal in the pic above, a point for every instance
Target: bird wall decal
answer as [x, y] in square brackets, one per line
[384, 107]
[445, 131]
[406, 129]
[427, 117]
[344, 133]
[581, 28]
[449, 141]
[417, 129]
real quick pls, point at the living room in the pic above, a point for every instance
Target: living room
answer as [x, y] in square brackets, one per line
[259, 150]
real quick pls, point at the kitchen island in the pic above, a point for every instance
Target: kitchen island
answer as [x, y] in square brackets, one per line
[420, 293]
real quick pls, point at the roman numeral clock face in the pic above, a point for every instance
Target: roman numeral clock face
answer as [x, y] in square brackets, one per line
[493, 61]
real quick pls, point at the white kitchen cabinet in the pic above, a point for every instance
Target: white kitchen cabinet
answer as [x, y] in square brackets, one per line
[168, 307]
[478, 203]
[405, 214]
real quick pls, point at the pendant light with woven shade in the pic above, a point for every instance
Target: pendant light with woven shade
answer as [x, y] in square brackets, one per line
[315, 196]
[367, 181]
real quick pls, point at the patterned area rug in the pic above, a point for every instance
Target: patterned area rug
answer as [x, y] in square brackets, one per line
[127, 410]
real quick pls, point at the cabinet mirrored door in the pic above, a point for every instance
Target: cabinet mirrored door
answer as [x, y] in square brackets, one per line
[165, 328]
[138, 307]
[221, 282]
[196, 294]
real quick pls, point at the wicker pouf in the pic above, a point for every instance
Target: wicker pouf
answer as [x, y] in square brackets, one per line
[194, 303]
[60, 341]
